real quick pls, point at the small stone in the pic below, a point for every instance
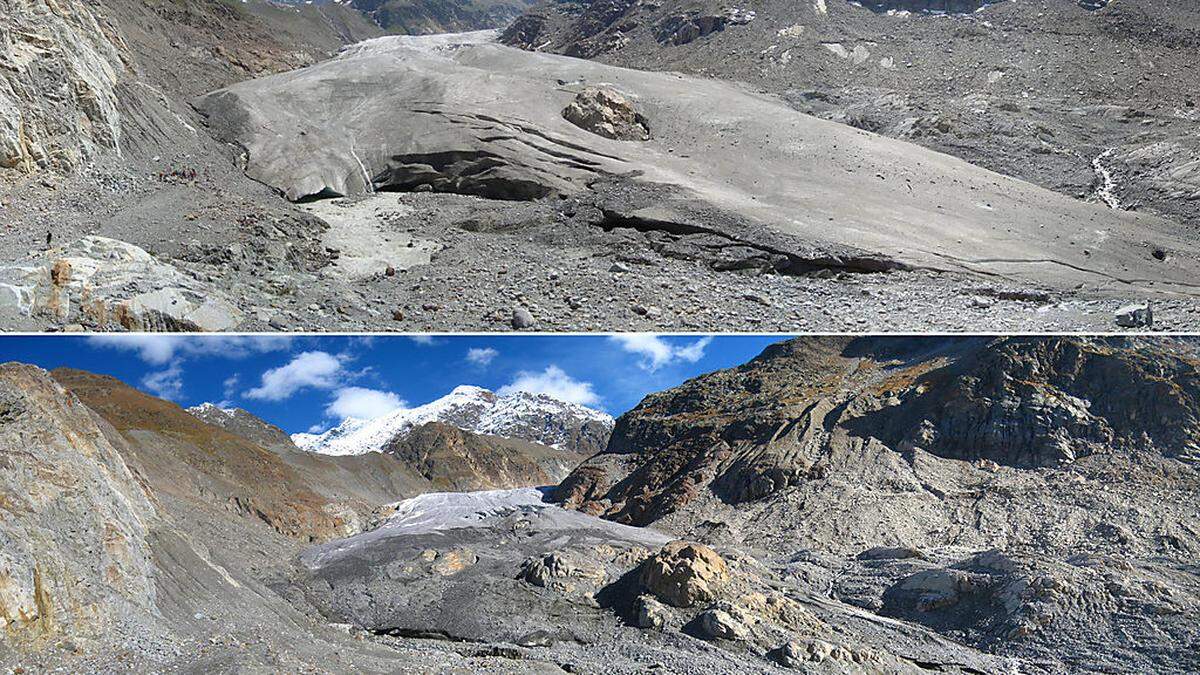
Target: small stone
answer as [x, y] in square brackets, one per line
[397, 315]
[981, 301]
[651, 613]
[521, 318]
[720, 623]
[619, 267]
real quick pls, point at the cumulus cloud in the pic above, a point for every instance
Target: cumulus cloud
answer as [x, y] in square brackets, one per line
[162, 349]
[552, 382]
[657, 352]
[318, 370]
[362, 403]
[166, 383]
[423, 340]
[481, 356]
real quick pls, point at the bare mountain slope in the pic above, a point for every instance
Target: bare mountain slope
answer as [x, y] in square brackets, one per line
[110, 564]
[420, 17]
[1092, 99]
[1022, 495]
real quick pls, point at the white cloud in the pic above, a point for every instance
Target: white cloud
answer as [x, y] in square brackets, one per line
[657, 352]
[423, 340]
[319, 370]
[555, 383]
[481, 356]
[362, 403]
[695, 351]
[162, 349]
[166, 383]
[229, 390]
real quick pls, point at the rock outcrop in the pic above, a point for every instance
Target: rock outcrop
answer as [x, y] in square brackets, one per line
[105, 284]
[1022, 495]
[750, 432]
[74, 557]
[684, 574]
[59, 68]
[607, 113]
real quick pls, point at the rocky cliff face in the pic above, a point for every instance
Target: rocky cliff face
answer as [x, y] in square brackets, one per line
[74, 557]
[749, 432]
[59, 69]
[1020, 495]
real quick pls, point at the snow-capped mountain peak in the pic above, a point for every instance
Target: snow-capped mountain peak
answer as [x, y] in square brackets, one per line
[532, 417]
[211, 409]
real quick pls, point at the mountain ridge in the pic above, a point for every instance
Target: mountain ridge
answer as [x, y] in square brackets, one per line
[532, 417]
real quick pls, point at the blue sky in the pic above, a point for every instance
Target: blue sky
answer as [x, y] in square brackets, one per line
[310, 383]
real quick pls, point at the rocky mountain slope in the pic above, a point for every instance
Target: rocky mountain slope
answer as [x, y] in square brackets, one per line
[838, 504]
[149, 221]
[193, 526]
[456, 460]
[1092, 99]
[535, 418]
[243, 423]
[420, 17]
[1020, 495]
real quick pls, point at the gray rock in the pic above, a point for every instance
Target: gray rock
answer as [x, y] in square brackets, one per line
[106, 284]
[73, 541]
[521, 319]
[651, 613]
[605, 112]
[1135, 316]
[721, 623]
[57, 46]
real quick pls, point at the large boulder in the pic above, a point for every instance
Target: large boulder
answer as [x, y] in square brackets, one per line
[607, 113]
[684, 574]
[107, 284]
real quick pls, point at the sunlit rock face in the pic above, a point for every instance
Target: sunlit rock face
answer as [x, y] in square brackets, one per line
[58, 103]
